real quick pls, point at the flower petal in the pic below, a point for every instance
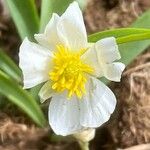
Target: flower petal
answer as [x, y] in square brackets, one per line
[34, 60]
[107, 50]
[97, 105]
[113, 71]
[100, 54]
[46, 91]
[71, 28]
[49, 38]
[64, 115]
[90, 57]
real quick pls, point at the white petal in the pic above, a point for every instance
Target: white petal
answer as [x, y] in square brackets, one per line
[34, 60]
[101, 54]
[113, 71]
[97, 105]
[71, 28]
[64, 115]
[107, 50]
[49, 38]
[90, 57]
[46, 91]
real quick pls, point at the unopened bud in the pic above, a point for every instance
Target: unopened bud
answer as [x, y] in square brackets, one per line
[85, 135]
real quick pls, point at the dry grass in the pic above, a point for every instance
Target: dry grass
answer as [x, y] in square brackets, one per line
[106, 14]
[133, 124]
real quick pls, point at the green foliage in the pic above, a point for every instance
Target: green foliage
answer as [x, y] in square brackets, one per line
[55, 6]
[8, 66]
[121, 32]
[133, 37]
[21, 98]
[10, 89]
[25, 17]
[52, 6]
[130, 50]
[35, 91]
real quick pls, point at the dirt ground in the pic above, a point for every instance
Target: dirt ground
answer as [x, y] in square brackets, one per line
[128, 126]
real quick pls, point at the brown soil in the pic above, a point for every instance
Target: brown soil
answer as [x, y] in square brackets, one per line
[106, 14]
[132, 125]
[129, 125]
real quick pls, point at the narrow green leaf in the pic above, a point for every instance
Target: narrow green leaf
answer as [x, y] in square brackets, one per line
[35, 92]
[116, 33]
[46, 13]
[21, 98]
[8, 66]
[52, 6]
[130, 50]
[133, 38]
[25, 17]
[143, 21]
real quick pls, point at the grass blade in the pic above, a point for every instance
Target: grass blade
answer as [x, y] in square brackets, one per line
[130, 50]
[52, 6]
[8, 66]
[55, 6]
[116, 33]
[21, 98]
[133, 38]
[25, 17]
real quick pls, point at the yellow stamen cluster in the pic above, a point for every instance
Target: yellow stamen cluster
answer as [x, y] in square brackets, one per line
[69, 72]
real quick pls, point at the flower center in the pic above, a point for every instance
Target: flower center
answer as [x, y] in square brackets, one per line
[69, 72]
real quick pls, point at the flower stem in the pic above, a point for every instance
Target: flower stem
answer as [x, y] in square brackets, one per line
[84, 145]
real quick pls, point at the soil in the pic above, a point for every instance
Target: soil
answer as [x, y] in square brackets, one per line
[128, 126]
[106, 14]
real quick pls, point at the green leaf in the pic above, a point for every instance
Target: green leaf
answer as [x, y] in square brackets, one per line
[25, 17]
[8, 66]
[116, 33]
[21, 98]
[35, 91]
[52, 6]
[133, 38]
[130, 50]
[46, 13]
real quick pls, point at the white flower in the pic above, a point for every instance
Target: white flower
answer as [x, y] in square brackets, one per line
[63, 59]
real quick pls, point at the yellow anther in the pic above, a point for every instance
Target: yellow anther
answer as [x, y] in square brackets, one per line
[69, 72]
